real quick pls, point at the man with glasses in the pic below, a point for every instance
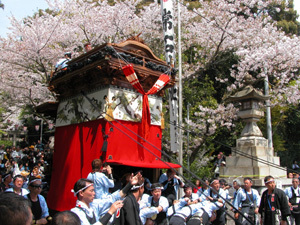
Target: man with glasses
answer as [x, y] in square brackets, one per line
[39, 206]
[274, 208]
[293, 193]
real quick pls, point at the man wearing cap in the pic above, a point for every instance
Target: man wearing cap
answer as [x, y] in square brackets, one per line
[274, 208]
[154, 207]
[129, 213]
[293, 193]
[170, 182]
[62, 63]
[247, 200]
[216, 195]
[90, 210]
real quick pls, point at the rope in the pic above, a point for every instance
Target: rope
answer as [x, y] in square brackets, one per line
[169, 157]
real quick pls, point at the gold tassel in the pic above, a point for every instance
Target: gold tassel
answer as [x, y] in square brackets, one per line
[162, 121]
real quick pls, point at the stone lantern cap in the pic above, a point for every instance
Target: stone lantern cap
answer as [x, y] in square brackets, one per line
[248, 92]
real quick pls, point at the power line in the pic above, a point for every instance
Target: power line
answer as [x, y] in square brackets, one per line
[168, 156]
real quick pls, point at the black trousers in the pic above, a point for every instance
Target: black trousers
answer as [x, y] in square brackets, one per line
[296, 217]
[221, 217]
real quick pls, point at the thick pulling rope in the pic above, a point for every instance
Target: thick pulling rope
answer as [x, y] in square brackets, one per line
[169, 157]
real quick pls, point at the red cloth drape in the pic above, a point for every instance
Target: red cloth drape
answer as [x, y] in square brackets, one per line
[76, 146]
[134, 81]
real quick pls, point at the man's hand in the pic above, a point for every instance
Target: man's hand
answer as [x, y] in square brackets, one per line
[108, 169]
[209, 198]
[256, 211]
[41, 221]
[177, 177]
[236, 216]
[135, 179]
[116, 205]
[160, 208]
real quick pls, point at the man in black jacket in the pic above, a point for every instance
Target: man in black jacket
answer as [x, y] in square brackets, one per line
[274, 208]
[129, 213]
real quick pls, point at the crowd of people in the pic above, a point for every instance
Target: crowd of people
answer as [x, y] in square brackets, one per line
[138, 200]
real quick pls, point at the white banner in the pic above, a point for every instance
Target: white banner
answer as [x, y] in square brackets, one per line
[168, 27]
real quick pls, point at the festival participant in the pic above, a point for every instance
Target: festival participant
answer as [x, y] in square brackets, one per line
[170, 182]
[90, 210]
[198, 186]
[14, 209]
[18, 182]
[273, 203]
[39, 206]
[177, 204]
[102, 183]
[293, 193]
[65, 218]
[193, 197]
[62, 63]
[129, 213]
[215, 194]
[193, 214]
[224, 185]
[6, 180]
[155, 206]
[87, 47]
[204, 186]
[248, 201]
[237, 187]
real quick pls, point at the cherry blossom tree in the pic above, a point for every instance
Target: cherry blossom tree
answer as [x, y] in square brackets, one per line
[243, 27]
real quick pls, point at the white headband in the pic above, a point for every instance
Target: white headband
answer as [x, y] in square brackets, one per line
[160, 188]
[136, 187]
[213, 181]
[5, 176]
[269, 181]
[75, 193]
[34, 181]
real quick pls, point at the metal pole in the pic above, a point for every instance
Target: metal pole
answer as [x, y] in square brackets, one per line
[180, 92]
[41, 137]
[188, 138]
[268, 112]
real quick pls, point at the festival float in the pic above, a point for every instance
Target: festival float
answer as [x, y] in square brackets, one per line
[109, 107]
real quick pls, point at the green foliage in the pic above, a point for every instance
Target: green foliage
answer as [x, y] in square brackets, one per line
[286, 19]
[200, 171]
[278, 117]
[6, 143]
[290, 132]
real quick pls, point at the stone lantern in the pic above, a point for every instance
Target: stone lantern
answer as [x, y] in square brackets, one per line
[249, 98]
[251, 155]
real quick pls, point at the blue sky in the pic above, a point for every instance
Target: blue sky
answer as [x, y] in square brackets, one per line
[23, 8]
[20, 9]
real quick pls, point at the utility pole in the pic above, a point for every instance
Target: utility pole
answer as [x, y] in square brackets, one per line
[180, 100]
[188, 138]
[268, 112]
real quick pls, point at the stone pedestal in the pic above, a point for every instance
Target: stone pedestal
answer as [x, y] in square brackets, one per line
[241, 164]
